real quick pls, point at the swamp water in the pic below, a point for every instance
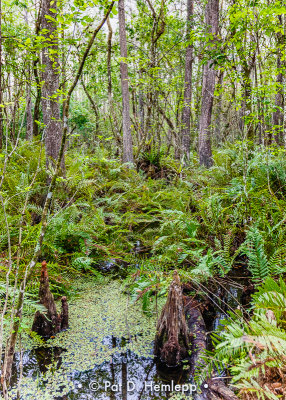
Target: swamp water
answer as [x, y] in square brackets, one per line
[106, 354]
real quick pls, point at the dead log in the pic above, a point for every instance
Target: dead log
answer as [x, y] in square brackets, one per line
[197, 330]
[213, 388]
[49, 323]
[172, 338]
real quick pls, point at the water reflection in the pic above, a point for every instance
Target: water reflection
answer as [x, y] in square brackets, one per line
[126, 376]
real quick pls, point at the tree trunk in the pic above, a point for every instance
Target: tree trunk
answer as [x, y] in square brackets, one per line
[51, 77]
[172, 338]
[29, 116]
[1, 80]
[141, 113]
[205, 152]
[29, 122]
[284, 86]
[278, 114]
[186, 115]
[247, 101]
[127, 138]
[36, 115]
[93, 106]
[109, 51]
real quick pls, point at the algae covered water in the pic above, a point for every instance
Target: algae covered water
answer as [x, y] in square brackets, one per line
[105, 354]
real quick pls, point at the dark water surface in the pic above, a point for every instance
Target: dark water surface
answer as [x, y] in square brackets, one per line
[126, 376]
[88, 362]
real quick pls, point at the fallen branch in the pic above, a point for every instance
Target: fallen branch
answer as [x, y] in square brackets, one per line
[213, 388]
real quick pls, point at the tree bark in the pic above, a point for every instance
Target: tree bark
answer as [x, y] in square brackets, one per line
[50, 323]
[109, 51]
[247, 100]
[279, 100]
[51, 78]
[186, 114]
[141, 113]
[36, 115]
[29, 123]
[46, 325]
[93, 106]
[205, 151]
[172, 338]
[284, 86]
[127, 137]
[29, 116]
[1, 80]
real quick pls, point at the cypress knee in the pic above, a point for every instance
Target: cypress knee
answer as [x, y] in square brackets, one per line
[172, 338]
[45, 324]
[64, 314]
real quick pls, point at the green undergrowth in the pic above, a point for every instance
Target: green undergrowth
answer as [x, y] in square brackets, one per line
[253, 349]
[188, 218]
[202, 222]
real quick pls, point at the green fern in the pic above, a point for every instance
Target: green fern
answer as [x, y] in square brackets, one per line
[253, 248]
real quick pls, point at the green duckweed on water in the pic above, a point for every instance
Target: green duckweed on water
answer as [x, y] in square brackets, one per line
[101, 311]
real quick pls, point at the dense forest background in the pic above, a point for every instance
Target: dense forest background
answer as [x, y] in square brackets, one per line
[149, 135]
[197, 73]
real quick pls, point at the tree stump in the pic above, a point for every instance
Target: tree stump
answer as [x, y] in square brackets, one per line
[172, 338]
[49, 323]
[180, 328]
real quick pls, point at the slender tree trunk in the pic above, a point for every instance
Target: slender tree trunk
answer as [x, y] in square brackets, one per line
[112, 114]
[93, 106]
[63, 62]
[1, 80]
[29, 122]
[205, 151]
[260, 111]
[127, 138]
[109, 51]
[36, 115]
[217, 122]
[278, 114]
[284, 86]
[186, 115]
[51, 77]
[247, 101]
[141, 112]
[29, 116]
